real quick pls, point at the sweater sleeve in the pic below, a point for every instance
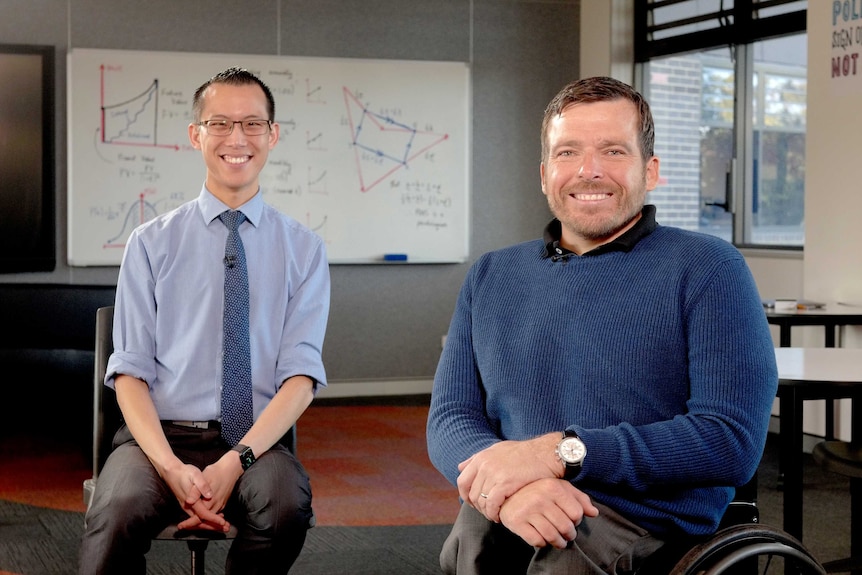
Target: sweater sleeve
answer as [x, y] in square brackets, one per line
[457, 427]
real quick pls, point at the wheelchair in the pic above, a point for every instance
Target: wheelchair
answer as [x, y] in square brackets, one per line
[741, 546]
[747, 549]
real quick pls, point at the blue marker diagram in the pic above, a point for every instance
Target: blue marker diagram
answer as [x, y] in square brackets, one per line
[381, 144]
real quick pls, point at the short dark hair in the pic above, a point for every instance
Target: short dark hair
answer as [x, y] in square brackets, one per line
[601, 89]
[233, 77]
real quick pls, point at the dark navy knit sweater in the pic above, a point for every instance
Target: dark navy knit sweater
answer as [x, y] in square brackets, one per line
[660, 358]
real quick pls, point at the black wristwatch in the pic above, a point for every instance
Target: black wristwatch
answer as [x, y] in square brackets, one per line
[246, 456]
[571, 451]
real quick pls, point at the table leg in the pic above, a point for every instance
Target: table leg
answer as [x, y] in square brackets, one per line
[830, 419]
[783, 341]
[830, 403]
[830, 335]
[856, 485]
[855, 527]
[790, 440]
[784, 335]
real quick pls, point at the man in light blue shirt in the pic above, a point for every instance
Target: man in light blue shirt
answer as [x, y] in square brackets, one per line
[170, 462]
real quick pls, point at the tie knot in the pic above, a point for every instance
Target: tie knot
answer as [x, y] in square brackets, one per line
[232, 219]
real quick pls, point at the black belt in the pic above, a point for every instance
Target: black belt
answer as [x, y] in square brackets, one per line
[195, 424]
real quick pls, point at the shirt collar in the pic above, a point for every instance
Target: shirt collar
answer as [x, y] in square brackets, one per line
[642, 228]
[211, 207]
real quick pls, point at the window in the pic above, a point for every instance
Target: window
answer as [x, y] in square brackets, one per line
[730, 119]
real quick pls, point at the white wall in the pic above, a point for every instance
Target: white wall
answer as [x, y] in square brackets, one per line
[607, 39]
[833, 199]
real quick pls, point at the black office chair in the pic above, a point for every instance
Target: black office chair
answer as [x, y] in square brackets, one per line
[106, 416]
[740, 546]
[844, 459]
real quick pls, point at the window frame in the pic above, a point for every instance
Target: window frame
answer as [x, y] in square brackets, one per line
[737, 28]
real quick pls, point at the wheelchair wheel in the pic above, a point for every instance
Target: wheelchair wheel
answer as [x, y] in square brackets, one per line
[748, 550]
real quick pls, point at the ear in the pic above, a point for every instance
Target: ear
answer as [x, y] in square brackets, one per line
[542, 176]
[274, 132]
[651, 173]
[195, 136]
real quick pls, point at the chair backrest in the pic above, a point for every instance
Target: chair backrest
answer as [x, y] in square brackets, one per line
[106, 413]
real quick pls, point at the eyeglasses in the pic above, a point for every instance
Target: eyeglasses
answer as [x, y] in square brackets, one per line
[254, 127]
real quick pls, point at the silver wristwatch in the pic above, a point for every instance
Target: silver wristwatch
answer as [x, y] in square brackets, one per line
[571, 451]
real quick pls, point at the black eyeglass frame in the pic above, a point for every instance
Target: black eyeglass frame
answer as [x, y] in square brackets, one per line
[232, 123]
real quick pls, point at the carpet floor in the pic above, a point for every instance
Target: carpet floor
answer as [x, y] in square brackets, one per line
[381, 507]
[40, 541]
[368, 466]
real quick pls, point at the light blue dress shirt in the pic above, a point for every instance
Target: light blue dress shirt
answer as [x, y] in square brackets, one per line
[170, 298]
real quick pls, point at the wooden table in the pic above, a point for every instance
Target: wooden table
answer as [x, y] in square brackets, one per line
[806, 374]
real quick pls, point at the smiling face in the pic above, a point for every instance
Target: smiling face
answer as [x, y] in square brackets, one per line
[594, 175]
[233, 162]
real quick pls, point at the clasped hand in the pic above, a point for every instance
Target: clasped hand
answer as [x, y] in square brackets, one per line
[203, 494]
[519, 483]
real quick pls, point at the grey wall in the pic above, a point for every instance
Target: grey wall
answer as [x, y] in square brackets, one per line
[386, 321]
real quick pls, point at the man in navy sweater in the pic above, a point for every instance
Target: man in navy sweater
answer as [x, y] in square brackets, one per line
[603, 389]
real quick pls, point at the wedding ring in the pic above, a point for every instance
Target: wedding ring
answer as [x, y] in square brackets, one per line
[485, 495]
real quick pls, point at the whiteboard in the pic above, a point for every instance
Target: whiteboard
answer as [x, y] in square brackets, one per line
[373, 154]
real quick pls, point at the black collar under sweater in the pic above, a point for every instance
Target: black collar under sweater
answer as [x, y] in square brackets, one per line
[624, 243]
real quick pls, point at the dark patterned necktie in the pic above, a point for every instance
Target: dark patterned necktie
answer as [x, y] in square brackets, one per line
[236, 400]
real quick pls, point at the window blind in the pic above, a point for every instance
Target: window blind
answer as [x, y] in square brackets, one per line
[665, 27]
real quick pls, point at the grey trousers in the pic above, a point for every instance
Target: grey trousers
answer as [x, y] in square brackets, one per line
[606, 545]
[270, 505]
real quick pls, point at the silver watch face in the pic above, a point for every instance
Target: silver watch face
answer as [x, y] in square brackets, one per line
[572, 450]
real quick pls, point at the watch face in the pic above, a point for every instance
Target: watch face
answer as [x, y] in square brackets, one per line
[246, 458]
[572, 450]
